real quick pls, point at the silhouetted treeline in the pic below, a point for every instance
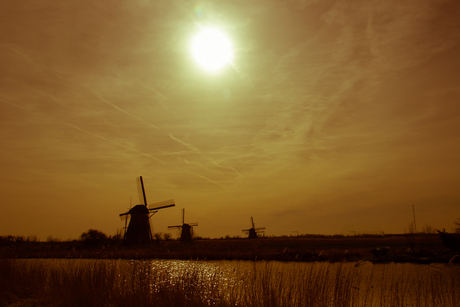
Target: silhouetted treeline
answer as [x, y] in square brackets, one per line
[94, 237]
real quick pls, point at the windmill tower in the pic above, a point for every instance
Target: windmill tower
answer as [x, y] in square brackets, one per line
[139, 230]
[253, 231]
[186, 229]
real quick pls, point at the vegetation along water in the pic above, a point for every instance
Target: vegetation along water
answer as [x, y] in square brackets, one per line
[80, 282]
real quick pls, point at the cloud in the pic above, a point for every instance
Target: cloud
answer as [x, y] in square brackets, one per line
[330, 105]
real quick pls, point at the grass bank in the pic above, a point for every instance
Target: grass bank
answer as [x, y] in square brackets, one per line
[420, 248]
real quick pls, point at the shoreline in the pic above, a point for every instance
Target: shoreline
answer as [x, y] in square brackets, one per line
[414, 249]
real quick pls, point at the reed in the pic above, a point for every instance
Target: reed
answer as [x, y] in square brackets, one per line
[199, 283]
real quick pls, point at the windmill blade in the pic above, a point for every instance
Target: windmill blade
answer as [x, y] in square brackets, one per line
[193, 224]
[176, 226]
[246, 229]
[260, 228]
[183, 215]
[169, 202]
[151, 229]
[252, 222]
[162, 207]
[126, 226]
[125, 216]
[141, 191]
[162, 204]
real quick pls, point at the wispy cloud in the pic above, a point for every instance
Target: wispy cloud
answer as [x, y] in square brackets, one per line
[328, 105]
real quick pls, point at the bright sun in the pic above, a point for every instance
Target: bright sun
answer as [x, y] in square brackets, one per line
[212, 49]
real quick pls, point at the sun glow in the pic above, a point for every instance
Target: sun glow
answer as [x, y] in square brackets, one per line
[212, 49]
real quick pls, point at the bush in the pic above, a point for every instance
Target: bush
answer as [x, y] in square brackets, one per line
[93, 238]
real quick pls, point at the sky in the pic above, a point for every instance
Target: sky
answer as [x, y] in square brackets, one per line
[334, 117]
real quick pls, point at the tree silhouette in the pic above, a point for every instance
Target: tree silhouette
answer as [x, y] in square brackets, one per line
[93, 238]
[457, 226]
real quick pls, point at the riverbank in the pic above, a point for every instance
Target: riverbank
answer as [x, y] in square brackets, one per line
[389, 248]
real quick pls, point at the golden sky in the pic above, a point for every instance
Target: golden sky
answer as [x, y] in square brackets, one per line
[335, 116]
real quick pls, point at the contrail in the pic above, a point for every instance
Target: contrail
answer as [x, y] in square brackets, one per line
[40, 92]
[98, 95]
[33, 62]
[189, 146]
[87, 132]
[22, 54]
[110, 141]
[224, 167]
[113, 142]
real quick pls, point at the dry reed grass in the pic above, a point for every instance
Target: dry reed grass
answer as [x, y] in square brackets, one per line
[254, 284]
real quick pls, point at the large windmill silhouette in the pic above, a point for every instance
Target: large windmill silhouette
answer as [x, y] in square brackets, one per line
[253, 231]
[186, 228]
[139, 231]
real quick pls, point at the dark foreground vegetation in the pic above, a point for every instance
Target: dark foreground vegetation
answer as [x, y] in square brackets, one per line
[416, 248]
[98, 282]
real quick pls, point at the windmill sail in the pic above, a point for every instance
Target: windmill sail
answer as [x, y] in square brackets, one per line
[142, 199]
[162, 204]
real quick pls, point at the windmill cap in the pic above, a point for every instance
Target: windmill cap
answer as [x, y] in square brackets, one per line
[139, 209]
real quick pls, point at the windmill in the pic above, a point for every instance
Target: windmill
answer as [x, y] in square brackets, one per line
[253, 231]
[186, 229]
[139, 230]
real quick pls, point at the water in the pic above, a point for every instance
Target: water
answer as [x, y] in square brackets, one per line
[364, 283]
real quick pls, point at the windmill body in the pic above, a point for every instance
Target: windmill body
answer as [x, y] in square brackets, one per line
[186, 233]
[253, 232]
[139, 230]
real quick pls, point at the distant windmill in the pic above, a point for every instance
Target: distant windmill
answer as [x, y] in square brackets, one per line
[186, 229]
[253, 231]
[139, 230]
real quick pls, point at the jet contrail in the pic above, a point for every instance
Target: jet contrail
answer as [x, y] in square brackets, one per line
[84, 131]
[189, 146]
[98, 95]
[110, 141]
